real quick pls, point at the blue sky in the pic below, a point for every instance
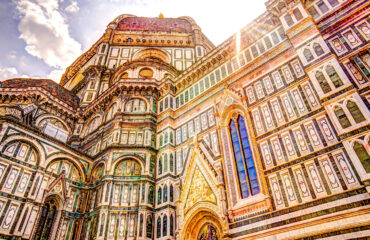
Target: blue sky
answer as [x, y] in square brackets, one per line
[40, 38]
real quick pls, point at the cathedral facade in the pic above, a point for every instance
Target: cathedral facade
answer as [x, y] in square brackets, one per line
[155, 133]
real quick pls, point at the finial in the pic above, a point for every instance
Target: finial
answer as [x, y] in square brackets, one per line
[160, 15]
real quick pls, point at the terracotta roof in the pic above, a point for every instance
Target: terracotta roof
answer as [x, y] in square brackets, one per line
[49, 85]
[154, 24]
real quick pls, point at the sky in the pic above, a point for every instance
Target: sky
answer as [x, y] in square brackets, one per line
[40, 38]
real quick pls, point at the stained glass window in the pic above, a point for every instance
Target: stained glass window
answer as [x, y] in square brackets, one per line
[127, 168]
[334, 77]
[171, 225]
[247, 174]
[165, 226]
[208, 232]
[150, 195]
[160, 166]
[141, 225]
[165, 162]
[363, 155]
[318, 49]
[322, 81]
[165, 194]
[171, 193]
[297, 14]
[308, 55]
[159, 196]
[149, 227]
[159, 227]
[355, 112]
[288, 20]
[342, 117]
[171, 162]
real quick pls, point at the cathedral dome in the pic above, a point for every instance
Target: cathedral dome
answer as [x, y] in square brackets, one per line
[154, 24]
[49, 85]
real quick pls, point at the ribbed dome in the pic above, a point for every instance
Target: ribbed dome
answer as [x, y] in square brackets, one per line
[154, 24]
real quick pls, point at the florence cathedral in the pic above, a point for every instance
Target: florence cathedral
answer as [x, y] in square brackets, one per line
[156, 133]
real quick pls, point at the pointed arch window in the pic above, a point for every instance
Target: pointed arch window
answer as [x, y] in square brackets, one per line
[165, 193]
[322, 81]
[362, 155]
[149, 227]
[159, 227]
[318, 49]
[171, 193]
[150, 195]
[102, 225]
[355, 112]
[248, 182]
[165, 225]
[171, 162]
[308, 55]
[297, 14]
[159, 195]
[334, 77]
[289, 20]
[141, 225]
[342, 117]
[171, 225]
[160, 166]
[165, 162]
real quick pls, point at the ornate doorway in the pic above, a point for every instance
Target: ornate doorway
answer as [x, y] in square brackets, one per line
[208, 232]
[49, 213]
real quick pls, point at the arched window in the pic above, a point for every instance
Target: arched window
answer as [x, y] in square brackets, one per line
[127, 168]
[161, 140]
[112, 110]
[93, 124]
[171, 162]
[102, 221]
[342, 117]
[97, 174]
[151, 195]
[160, 166]
[171, 225]
[288, 20]
[159, 196]
[297, 14]
[171, 193]
[334, 77]
[247, 175]
[54, 128]
[165, 193]
[47, 220]
[141, 225]
[355, 112]
[318, 49]
[159, 227]
[70, 169]
[149, 227]
[165, 225]
[362, 155]
[146, 73]
[308, 55]
[21, 151]
[322, 81]
[165, 162]
[165, 138]
[135, 105]
[171, 137]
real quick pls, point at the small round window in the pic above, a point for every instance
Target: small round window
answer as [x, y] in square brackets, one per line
[146, 73]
